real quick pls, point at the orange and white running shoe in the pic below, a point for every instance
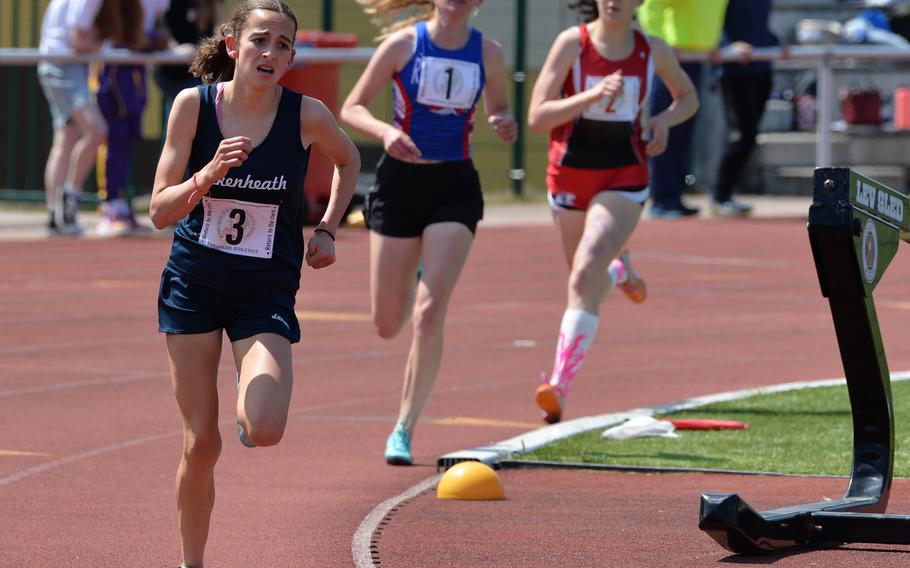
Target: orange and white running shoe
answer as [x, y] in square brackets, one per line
[551, 401]
[634, 287]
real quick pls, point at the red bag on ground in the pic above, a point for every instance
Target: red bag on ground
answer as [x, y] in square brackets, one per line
[861, 105]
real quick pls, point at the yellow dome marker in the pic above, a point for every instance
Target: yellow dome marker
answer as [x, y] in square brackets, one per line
[470, 480]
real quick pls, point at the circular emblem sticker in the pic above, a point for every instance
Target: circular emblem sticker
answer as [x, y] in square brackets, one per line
[870, 251]
[235, 224]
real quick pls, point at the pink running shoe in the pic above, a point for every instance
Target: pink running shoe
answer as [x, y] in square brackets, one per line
[634, 287]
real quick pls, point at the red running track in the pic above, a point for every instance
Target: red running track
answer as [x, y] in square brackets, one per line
[91, 435]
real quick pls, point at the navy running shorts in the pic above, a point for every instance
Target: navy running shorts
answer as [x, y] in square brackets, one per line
[186, 307]
[407, 198]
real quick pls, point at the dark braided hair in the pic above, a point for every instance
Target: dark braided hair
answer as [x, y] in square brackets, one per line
[587, 9]
[212, 63]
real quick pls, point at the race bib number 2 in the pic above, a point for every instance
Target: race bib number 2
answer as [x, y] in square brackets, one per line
[239, 227]
[449, 83]
[622, 108]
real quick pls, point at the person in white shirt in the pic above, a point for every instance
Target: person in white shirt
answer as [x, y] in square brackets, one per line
[79, 26]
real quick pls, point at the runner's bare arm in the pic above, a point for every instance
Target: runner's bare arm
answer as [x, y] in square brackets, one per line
[548, 109]
[685, 98]
[495, 101]
[318, 127]
[390, 57]
[172, 196]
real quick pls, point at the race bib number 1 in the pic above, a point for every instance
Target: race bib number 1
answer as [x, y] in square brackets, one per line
[449, 83]
[239, 227]
[622, 108]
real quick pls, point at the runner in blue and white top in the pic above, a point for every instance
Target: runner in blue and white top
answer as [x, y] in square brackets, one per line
[231, 175]
[427, 201]
[436, 96]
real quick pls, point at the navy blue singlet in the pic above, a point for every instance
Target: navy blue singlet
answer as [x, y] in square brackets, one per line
[247, 232]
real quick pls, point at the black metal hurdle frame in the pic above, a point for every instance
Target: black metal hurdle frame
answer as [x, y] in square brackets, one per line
[855, 227]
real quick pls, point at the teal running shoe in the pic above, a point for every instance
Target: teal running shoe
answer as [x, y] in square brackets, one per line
[244, 439]
[398, 448]
[241, 433]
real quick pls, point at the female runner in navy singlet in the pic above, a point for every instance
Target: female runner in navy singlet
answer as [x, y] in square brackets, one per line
[427, 199]
[231, 176]
[592, 95]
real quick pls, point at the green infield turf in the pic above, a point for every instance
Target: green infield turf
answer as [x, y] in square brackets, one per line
[807, 431]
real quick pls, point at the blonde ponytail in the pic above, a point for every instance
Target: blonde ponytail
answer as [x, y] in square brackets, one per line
[393, 15]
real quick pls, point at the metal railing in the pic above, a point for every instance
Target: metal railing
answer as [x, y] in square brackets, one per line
[824, 58]
[304, 56]
[25, 110]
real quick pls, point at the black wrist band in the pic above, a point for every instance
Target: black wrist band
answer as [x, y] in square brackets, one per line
[326, 231]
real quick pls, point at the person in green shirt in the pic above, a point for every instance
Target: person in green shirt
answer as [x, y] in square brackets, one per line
[688, 26]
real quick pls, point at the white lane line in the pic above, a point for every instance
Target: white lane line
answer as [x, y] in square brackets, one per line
[40, 468]
[229, 369]
[363, 537]
[136, 377]
[529, 441]
[718, 260]
[306, 411]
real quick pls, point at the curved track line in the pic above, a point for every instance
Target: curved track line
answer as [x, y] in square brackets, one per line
[363, 538]
[364, 545]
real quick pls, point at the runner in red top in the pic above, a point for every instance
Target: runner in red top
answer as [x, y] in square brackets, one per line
[591, 95]
[603, 148]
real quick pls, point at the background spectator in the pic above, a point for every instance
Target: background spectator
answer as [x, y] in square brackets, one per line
[80, 26]
[692, 26]
[189, 23]
[745, 88]
[121, 97]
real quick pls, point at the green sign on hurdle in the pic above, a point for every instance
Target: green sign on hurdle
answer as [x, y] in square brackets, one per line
[855, 226]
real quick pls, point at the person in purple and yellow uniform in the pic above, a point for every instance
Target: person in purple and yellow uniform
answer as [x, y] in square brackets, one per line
[231, 176]
[121, 97]
[427, 201]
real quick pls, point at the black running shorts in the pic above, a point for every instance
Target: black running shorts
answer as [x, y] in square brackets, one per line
[407, 198]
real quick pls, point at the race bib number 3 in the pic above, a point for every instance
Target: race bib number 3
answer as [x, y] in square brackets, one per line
[449, 83]
[622, 108]
[239, 227]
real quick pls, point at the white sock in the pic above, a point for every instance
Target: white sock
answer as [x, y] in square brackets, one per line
[576, 333]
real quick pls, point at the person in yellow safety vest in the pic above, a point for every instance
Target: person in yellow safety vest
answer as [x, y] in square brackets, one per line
[688, 26]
